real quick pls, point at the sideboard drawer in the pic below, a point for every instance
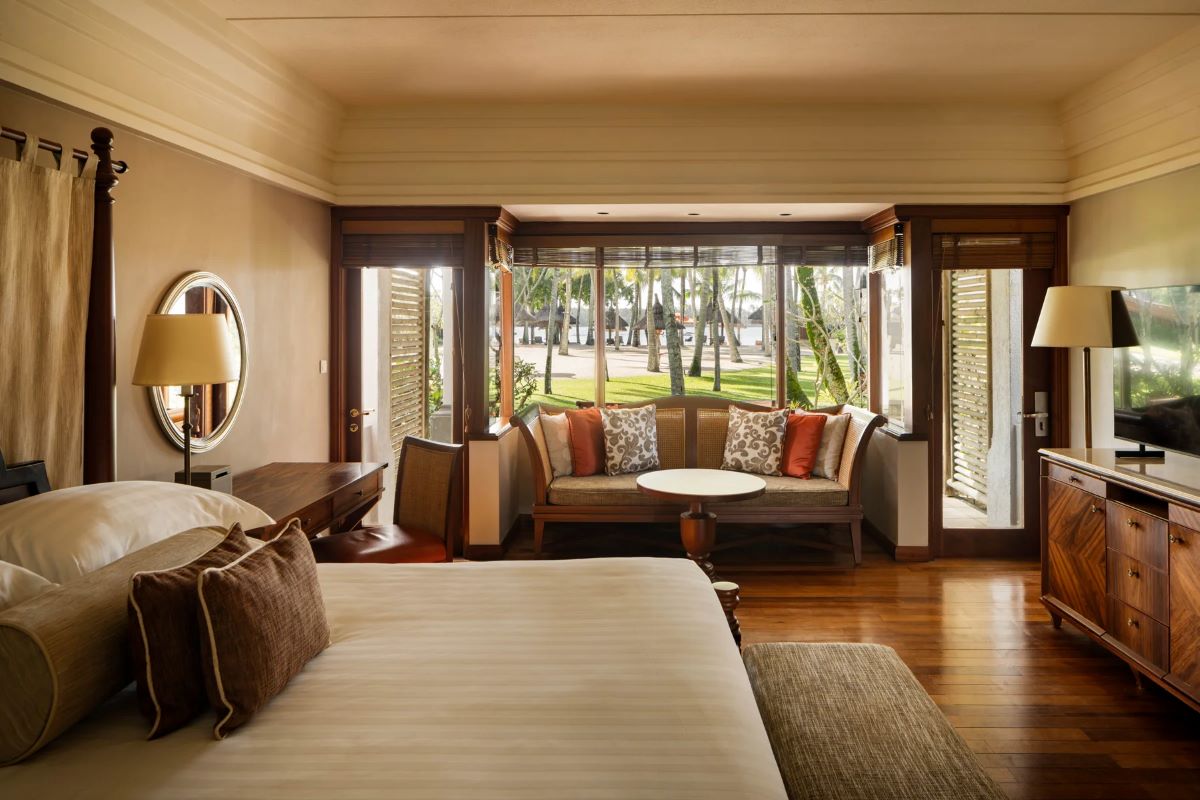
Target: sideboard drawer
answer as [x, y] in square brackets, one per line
[1139, 633]
[1137, 534]
[1138, 585]
[1187, 517]
[1077, 479]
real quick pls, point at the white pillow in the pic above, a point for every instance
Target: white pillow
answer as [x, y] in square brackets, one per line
[18, 584]
[829, 454]
[558, 444]
[70, 532]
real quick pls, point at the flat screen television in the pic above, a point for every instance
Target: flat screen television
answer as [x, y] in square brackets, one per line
[1156, 384]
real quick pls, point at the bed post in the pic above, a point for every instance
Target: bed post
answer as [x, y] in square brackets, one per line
[100, 354]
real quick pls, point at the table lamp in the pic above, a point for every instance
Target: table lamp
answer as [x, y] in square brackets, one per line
[1087, 317]
[185, 350]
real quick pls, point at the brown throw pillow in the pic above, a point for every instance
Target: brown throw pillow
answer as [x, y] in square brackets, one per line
[262, 619]
[164, 637]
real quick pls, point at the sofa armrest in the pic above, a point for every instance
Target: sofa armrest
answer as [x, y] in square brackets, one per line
[542, 476]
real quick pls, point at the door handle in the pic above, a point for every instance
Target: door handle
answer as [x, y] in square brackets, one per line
[355, 413]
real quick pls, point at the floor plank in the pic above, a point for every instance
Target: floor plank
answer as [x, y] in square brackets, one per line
[1051, 715]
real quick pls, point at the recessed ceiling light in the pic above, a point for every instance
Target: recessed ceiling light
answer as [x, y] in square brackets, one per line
[602, 213]
[693, 213]
[785, 213]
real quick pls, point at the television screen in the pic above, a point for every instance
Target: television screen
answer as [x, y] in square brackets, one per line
[1156, 384]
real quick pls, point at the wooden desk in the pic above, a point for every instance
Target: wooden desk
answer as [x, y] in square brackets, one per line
[334, 495]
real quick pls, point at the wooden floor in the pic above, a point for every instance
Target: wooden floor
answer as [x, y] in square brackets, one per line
[1049, 713]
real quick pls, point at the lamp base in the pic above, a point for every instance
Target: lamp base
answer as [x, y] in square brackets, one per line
[1141, 455]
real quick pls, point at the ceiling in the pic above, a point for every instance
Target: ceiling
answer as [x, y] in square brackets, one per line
[388, 52]
[696, 212]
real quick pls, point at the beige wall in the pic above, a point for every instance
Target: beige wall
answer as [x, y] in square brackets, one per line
[176, 213]
[1147, 234]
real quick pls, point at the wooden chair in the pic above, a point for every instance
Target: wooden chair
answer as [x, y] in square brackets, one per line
[426, 518]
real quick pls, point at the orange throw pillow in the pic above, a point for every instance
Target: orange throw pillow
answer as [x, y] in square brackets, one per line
[801, 443]
[586, 432]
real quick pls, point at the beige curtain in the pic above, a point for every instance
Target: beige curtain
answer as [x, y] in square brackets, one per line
[45, 267]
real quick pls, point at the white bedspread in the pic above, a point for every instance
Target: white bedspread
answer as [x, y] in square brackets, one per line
[602, 678]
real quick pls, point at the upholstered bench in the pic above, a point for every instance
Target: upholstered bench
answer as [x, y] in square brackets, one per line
[850, 722]
[691, 433]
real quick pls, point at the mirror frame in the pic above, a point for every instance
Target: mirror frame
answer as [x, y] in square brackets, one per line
[174, 434]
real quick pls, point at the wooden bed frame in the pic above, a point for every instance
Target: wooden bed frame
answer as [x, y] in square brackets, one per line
[100, 348]
[21, 480]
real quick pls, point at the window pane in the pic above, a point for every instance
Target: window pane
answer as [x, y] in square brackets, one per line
[826, 335]
[707, 335]
[493, 334]
[555, 359]
[895, 334]
[440, 330]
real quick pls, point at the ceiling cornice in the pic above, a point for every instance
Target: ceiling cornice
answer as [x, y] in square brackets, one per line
[180, 73]
[176, 72]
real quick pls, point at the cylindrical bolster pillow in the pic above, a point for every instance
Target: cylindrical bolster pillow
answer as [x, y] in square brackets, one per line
[65, 652]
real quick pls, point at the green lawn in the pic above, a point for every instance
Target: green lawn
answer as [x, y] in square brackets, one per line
[750, 384]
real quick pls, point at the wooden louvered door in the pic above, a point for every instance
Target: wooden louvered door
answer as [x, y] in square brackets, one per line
[408, 353]
[987, 381]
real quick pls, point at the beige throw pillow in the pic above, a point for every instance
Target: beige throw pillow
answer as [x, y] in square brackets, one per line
[754, 441]
[18, 584]
[630, 439]
[829, 456]
[558, 443]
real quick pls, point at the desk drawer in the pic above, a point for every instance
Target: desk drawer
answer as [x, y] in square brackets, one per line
[349, 497]
[1137, 534]
[315, 518]
[1144, 637]
[1138, 585]
[1077, 479]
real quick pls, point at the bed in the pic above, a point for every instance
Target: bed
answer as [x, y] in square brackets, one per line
[605, 678]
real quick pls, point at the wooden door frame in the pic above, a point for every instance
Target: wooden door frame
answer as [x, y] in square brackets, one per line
[925, 222]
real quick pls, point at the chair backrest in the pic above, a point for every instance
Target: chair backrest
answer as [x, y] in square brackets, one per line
[428, 487]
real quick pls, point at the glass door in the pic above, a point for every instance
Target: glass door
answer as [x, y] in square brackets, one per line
[992, 404]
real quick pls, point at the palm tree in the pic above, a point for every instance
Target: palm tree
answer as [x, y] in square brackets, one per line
[674, 343]
[550, 306]
[725, 321]
[818, 337]
[652, 362]
[703, 295]
[565, 329]
[716, 291]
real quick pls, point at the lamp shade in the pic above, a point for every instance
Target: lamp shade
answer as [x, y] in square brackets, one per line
[185, 350]
[1084, 316]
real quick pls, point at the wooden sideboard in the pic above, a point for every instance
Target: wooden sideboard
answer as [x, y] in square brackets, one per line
[1121, 559]
[334, 495]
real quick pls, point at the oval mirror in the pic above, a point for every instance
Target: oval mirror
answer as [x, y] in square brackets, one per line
[214, 407]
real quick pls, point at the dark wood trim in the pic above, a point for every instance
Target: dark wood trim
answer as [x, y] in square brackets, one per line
[961, 211]
[487, 213]
[337, 341]
[100, 337]
[473, 350]
[21, 480]
[851, 231]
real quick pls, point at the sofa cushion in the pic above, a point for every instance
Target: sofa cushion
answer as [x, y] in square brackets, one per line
[621, 490]
[587, 441]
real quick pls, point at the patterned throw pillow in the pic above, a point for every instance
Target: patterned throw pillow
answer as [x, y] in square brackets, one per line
[630, 440]
[754, 442]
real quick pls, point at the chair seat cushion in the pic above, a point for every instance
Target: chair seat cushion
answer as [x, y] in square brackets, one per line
[621, 490]
[380, 544]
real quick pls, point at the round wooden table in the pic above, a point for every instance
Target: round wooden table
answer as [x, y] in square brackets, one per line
[697, 527]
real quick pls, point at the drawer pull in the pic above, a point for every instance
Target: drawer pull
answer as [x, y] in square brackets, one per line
[1133, 573]
[1131, 622]
[1073, 479]
[1095, 509]
[1173, 539]
[1131, 523]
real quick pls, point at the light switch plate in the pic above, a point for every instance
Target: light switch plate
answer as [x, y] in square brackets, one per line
[323, 366]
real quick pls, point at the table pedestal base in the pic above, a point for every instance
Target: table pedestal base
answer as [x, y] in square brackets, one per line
[698, 531]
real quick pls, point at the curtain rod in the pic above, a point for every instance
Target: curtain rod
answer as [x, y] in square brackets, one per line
[54, 147]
